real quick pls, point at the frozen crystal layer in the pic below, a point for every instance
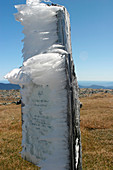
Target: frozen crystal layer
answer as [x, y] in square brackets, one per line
[43, 81]
[40, 28]
[49, 91]
[45, 131]
[35, 2]
[39, 69]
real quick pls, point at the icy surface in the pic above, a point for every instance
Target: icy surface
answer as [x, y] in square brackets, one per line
[35, 2]
[39, 69]
[77, 151]
[45, 130]
[43, 81]
[40, 28]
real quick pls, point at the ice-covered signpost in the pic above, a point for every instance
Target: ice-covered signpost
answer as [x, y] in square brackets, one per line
[49, 90]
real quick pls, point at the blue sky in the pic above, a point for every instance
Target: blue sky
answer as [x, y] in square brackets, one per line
[92, 37]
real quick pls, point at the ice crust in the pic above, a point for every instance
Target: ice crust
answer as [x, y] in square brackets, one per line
[35, 2]
[39, 69]
[40, 28]
[43, 87]
[77, 152]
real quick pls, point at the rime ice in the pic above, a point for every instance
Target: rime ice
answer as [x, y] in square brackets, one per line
[48, 88]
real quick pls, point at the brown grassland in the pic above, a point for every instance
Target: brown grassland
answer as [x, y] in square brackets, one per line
[96, 129]
[97, 132]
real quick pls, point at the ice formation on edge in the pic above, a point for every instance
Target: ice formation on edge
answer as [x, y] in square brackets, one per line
[43, 84]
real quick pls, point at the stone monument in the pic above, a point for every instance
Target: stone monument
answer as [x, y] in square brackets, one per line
[49, 90]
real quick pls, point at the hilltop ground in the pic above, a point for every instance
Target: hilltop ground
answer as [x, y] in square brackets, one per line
[96, 129]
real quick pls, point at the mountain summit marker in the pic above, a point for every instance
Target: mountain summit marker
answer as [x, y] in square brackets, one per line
[49, 90]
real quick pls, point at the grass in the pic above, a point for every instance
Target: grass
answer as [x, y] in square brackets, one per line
[97, 132]
[96, 129]
[10, 140]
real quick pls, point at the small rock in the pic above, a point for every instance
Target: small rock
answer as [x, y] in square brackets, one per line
[18, 102]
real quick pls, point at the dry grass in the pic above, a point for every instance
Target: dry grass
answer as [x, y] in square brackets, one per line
[97, 132]
[96, 128]
[10, 140]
